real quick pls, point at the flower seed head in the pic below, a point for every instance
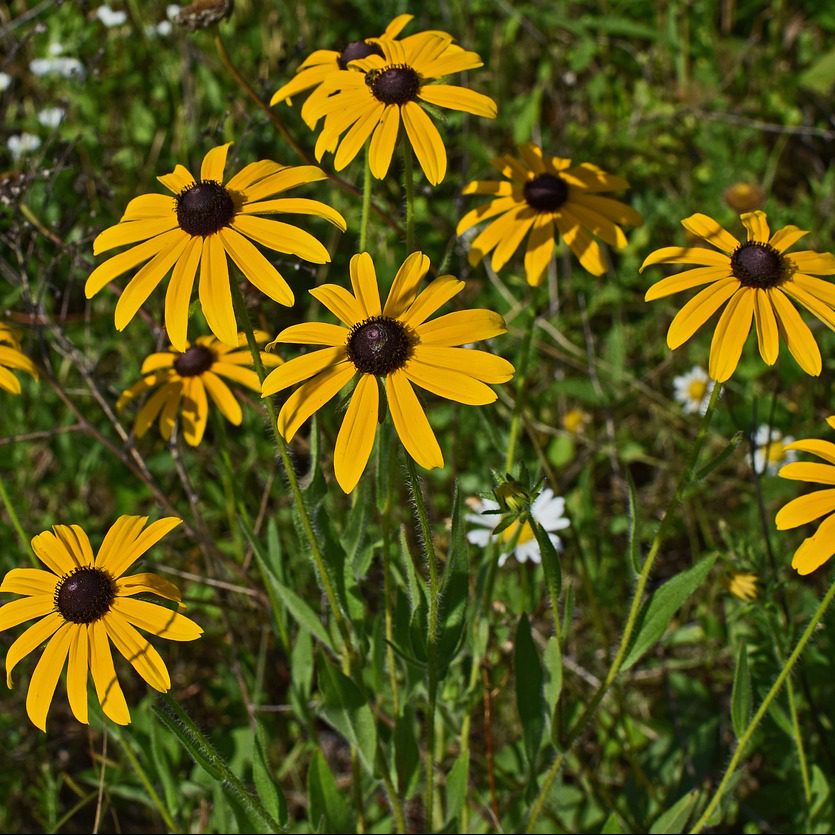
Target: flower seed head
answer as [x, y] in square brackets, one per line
[546, 193]
[758, 265]
[356, 50]
[394, 85]
[85, 595]
[379, 346]
[194, 361]
[204, 208]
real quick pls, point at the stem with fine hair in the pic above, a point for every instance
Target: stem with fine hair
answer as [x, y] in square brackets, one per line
[745, 738]
[15, 520]
[634, 609]
[298, 499]
[409, 186]
[366, 201]
[432, 635]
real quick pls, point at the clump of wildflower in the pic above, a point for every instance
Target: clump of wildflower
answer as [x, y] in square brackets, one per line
[743, 585]
[771, 449]
[693, 389]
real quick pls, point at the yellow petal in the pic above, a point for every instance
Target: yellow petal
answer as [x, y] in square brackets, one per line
[540, 249]
[132, 231]
[811, 302]
[426, 142]
[77, 672]
[215, 292]
[214, 163]
[786, 237]
[436, 294]
[364, 284]
[108, 690]
[145, 282]
[298, 206]
[410, 421]
[795, 331]
[314, 333]
[301, 368]
[687, 255]
[311, 396]
[51, 552]
[356, 435]
[118, 562]
[698, 310]
[75, 541]
[137, 650]
[804, 471]
[253, 173]
[498, 188]
[685, 281]
[487, 211]
[29, 581]
[147, 583]
[823, 449]
[405, 285]
[195, 413]
[708, 229]
[510, 242]
[25, 608]
[46, 675]
[768, 335]
[256, 268]
[730, 334]
[148, 206]
[340, 302]
[461, 327]
[596, 223]
[587, 250]
[448, 383]
[178, 294]
[31, 639]
[122, 534]
[154, 404]
[159, 621]
[282, 180]
[243, 376]
[282, 237]
[805, 509]
[459, 98]
[223, 398]
[816, 263]
[358, 135]
[817, 549]
[757, 225]
[612, 210]
[383, 141]
[178, 180]
[481, 365]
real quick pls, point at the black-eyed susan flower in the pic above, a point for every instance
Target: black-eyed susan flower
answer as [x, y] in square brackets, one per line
[186, 380]
[394, 343]
[743, 585]
[390, 88]
[545, 196]
[12, 357]
[322, 63]
[85, 602]
[757, 279]
[203, 223]
[518, 539]
[815, 550]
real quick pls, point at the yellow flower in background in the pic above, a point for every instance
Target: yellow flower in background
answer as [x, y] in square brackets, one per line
[818, 548]
[756, 278]
[85, 602]
[12, 357]
[394, 342]
[545, 196]
[184, 382]
[203, 223]
[575, 421]
[743, 585]
[323, 63]
[390, 88]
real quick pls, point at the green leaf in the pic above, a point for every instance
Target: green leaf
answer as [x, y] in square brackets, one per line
[346, 708]
[267, 789]
[741, 692]
[456, 786]
[612, 825]
[160, 758]
[717, 461]
[553, 668]
[657, 612]
[329, 811]
[634, 544]
[820, 77]
[550, 557]
[675, 818]
[530, 698]
[406, 753]
[301, 611]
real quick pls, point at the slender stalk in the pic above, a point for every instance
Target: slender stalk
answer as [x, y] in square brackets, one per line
[298, 499]
[761, 711]
[15, 520]
[432, 635]
[634, 608]
[366, 201]
[409, 187]
[521, 380]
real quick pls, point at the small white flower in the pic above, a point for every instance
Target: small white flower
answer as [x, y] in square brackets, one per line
[163, 28]
[55, 48]
[547, 509]
[770, 451]
[51, 117]
[172, 11]
[5, 81]
[65, 67]
[693, 390]
[22, 143]
[110, 17]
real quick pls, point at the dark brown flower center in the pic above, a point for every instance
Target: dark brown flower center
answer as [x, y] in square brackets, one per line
[85, 595]
[194, 361]
[395, 85]
[379, 345]
[356, 50]
[546, 193]
[758, 265]
[204, 208]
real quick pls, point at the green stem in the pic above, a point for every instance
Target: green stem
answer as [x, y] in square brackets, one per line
[15, 520]
[798, 741]
[290, 472]
[409, 186]
[762, 710]
[634, 608]
[521, 379]
[432, 636]
[366, 201]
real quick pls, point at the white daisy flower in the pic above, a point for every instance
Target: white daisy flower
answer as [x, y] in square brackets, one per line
[693, 390]
[65, 67]
[110, 17]
[55, 48]
[5, 81]
[51, 117]
[547, 509]
[22, 143]
[770, 451]
[163, 28]
[172, 11]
